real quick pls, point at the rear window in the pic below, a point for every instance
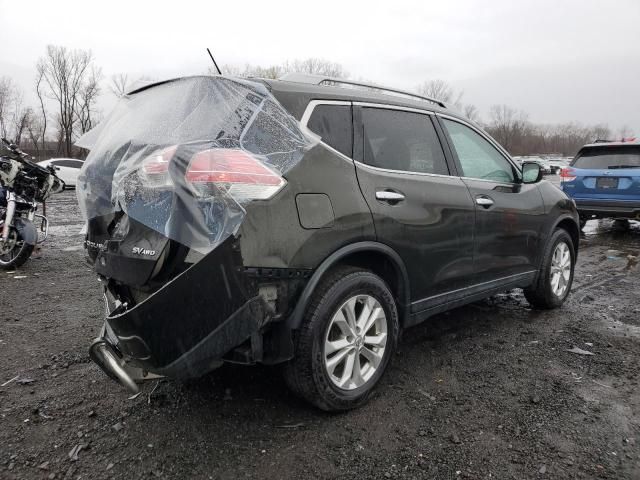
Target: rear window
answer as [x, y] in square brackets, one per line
[608, 157]
[334, 125]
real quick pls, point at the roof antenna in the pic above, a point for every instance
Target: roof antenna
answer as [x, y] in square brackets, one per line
[214, 62]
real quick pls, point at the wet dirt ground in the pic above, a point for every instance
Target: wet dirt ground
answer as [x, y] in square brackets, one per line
[485, 391]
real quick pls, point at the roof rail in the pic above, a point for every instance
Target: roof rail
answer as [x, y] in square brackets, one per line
[322, 79]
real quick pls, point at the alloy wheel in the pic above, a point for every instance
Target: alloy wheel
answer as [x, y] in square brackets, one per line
[560, 269]
[355, 342]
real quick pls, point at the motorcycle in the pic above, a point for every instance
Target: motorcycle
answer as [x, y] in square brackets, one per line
[23, 184]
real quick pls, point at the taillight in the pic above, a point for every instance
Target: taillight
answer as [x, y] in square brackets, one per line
[235, 171]
[155, 167]
[567, 174]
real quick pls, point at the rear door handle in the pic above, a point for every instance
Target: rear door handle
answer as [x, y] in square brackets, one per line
[484, 201]
[389, 196]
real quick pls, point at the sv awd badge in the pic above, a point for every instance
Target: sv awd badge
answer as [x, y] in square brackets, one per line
[143, 251]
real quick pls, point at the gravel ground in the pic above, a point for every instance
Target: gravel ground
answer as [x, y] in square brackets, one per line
[485, 391]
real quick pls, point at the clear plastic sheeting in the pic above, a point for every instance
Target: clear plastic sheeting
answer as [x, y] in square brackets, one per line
[184, 157]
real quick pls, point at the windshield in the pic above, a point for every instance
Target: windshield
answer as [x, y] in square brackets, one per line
[609, 157]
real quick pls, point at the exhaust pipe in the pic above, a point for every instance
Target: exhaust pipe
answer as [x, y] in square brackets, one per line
[105, 356]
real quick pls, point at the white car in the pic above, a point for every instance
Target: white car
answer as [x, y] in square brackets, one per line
[67, 169]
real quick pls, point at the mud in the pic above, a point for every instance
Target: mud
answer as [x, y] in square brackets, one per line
[485, 391]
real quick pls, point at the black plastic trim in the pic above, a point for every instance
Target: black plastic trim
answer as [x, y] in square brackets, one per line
[295, 319]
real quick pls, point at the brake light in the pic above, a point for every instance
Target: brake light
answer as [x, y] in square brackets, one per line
[235, 171]
[567, 174]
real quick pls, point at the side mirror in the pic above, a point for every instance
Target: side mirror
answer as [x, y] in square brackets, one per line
[531, 172]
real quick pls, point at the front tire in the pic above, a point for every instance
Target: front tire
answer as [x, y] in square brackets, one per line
[15, 252]
[556, 275]
[348, 336]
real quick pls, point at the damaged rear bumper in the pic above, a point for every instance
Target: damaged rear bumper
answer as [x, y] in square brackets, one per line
[184, 328]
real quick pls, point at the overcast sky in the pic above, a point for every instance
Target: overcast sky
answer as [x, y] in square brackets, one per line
[560, 61]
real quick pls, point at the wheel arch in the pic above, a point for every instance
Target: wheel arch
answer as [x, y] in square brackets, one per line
[568, 223]
[369, 255]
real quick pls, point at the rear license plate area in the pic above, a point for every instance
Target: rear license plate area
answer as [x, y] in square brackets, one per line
[607, 183]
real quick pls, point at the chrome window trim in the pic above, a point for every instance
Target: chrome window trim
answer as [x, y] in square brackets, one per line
[403, 109]
[394, 107]
[313, 104]
[491, 141]
[307, 115]
[403, 172]
[501, 184]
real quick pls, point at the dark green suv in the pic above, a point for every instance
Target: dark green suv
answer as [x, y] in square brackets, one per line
[304, 221]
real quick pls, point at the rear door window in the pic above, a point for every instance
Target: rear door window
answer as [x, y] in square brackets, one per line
[399, 140]
[478, 158]
[609, 158]
[334, 125]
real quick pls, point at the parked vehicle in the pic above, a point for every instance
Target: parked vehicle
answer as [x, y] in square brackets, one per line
[301, 223]
[67, 169]
[604, 181]
[557, 164]
[23, 184]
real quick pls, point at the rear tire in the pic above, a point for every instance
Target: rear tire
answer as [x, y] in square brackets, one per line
[348, 335]
[18, 255]
[556, 274]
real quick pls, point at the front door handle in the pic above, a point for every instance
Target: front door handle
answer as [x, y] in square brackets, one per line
[484, 201]
[389, 196]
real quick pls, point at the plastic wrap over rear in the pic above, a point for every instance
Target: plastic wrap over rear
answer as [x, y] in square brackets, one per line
[184, 157]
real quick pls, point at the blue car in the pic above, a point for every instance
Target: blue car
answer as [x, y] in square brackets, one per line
[604, 181]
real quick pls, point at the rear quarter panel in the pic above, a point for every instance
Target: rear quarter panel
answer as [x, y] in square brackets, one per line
[272, 236]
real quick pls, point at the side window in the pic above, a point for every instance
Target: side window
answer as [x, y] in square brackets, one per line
[334, 125]
[478, 158]
[398, 140]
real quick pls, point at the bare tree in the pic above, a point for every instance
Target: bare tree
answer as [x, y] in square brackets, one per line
[472, 113]
[34, 127]
[507, 124]
[7, 94]
[314, 66]
[625, 132]
[436, 89]
[20, 118]
[42, 128]
[119, 84]
[88, 95]
[65, 73]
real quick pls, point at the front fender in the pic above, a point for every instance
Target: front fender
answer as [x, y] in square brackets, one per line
[26, 230]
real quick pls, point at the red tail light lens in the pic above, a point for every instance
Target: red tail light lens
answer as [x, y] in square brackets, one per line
[236, 171]
[567, 174]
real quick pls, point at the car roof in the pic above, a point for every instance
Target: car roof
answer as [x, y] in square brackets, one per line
[295, 91]
[296, 95]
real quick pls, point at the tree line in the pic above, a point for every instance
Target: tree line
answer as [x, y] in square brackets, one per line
[68, 84]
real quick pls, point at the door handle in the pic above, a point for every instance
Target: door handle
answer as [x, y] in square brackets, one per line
[389, 196]
[484, 201]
